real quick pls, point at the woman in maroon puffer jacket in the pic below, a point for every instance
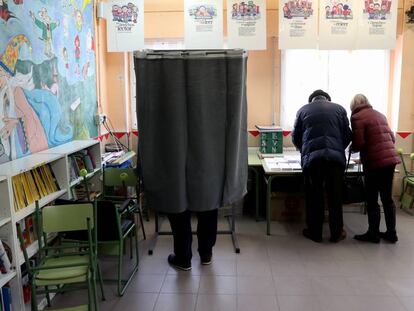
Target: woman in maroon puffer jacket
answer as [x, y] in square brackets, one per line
[373, 138]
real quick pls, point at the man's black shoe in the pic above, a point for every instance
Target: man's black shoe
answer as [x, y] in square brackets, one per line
[367, 237]
[306, 233]
[206, 260]
[390, 237]
[184, 266]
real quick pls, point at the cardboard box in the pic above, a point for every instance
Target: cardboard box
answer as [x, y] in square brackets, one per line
[289, 207]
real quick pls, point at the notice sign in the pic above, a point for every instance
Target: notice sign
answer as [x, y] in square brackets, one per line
[298, 24]
[125, 25]
[377, 24]
[246, 22]
[203, 24]
[337, 25]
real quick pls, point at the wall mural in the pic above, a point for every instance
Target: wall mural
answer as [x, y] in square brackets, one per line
[47, 75]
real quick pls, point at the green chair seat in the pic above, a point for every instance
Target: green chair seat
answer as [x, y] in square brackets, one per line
[64, 272]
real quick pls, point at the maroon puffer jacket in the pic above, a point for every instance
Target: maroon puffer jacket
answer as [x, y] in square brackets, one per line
[374, 139]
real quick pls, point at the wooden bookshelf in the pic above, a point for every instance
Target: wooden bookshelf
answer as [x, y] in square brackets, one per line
[6, 278]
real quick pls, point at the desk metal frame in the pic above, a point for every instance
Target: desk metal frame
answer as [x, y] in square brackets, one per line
[270, 175]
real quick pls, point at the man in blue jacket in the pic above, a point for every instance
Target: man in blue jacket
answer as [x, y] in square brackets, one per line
[322, 133]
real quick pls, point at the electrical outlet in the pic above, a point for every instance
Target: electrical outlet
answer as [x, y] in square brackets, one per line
[102, 118]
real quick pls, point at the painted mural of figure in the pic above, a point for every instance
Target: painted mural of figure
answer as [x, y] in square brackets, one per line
[78, 13]
[46, 25]
[5, 14]
[30, 118]
[77, 54]
[20, 128]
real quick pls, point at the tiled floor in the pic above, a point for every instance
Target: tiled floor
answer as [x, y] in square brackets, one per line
[282, 272]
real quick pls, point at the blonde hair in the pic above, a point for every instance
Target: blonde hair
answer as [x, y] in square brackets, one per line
[358, 100]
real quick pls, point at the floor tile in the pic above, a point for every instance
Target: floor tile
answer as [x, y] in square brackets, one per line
[331, 286]
[255, 285]
[216, 303]
[176, 302]
[288, 268]
[402, 287]
[147, 283]
[181, 284]
[252, 267]
[296, 285]
[298, 303]
[218, 285]
[253, 302]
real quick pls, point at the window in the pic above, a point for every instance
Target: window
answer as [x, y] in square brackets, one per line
[341, 73]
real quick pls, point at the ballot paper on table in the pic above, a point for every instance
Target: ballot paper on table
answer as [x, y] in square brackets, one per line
[275, 164]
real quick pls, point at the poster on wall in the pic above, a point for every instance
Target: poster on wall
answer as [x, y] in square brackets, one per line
[203, 20]
[377, 24]
[125, 25]
[337, 24]
[298, 24]
[47, 75]
[246, 24]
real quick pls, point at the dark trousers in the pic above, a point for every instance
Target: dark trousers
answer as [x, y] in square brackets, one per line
[379, 181]
[182, 233]
[320, 176]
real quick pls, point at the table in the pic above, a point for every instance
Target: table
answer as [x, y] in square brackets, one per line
[271, 174]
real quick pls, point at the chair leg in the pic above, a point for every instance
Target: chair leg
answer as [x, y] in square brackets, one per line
[33, 297]
[94, 292]
[136, 250]
[121, 251]
[142, 223]
[130, 244]
[89, 293]
[48, 296]
[100, 281]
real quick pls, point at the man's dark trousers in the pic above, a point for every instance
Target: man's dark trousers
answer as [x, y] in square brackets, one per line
[182, 233]
[320, 176]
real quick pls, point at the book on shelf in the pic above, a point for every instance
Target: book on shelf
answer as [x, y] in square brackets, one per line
[5, 263]
[79, 193]
[33, 185]
[28, 231]
[82, 159]
[29, 224]
[6, 298]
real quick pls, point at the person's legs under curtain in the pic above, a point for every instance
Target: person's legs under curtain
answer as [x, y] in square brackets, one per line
[373, 210]
[206, 234]
[385, 189]
[181, 229]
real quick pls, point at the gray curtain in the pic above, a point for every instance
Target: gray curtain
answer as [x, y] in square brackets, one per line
[191, 109]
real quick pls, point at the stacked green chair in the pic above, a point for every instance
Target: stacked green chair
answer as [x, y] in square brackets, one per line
[407, 187]
[62, 267]
[120, 184]
[120, 202]
[116, 226]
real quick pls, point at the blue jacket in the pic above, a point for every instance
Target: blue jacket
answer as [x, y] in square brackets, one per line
[321, 133]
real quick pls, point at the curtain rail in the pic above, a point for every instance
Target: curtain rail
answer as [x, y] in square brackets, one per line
[190, 53]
